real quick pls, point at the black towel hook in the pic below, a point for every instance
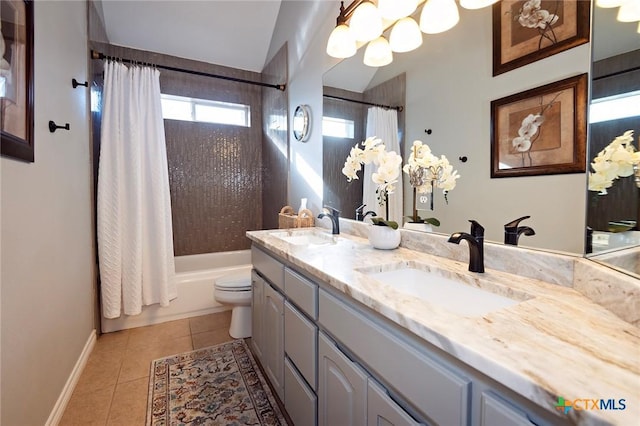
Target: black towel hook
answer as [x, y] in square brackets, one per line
[53, 126]
[75, 83]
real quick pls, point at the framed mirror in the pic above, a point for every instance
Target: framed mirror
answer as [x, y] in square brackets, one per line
[301, 123]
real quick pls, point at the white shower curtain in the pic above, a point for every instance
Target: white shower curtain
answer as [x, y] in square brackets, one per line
[135, 237]
[383, 123]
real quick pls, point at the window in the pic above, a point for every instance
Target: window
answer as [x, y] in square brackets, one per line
[205, 111]
[615, 107]
[337, 127]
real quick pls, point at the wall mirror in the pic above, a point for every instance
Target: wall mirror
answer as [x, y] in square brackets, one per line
[448, 87]
[301, 124]
[615, 78]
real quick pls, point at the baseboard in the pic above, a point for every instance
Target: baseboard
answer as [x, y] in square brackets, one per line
[125, 322]
[72, 381]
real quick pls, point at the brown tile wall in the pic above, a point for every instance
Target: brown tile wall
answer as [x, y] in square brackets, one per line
[275, 142]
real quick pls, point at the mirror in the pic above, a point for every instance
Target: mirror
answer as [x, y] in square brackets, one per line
[301, 123]
[614, 217]
[447, 87]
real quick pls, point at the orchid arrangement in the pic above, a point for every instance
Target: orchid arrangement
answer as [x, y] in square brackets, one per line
[372, 150]
[531, 15]
[616, 160]
[427, 172]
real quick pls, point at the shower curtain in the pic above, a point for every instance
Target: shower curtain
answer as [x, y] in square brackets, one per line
[383, 123]
[135, 238]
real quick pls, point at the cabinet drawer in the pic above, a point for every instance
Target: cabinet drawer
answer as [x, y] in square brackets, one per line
[269, 267]
[302, 292]
[299, 401]
[300, 342]
[438, 391]
[496, 411]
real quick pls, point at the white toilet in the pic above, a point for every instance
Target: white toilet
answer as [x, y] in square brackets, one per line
[235, 289]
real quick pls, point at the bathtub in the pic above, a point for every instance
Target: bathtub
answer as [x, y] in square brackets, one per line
[194, 283]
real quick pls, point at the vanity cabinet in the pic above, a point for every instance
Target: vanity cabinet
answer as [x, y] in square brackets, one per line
[334, 362]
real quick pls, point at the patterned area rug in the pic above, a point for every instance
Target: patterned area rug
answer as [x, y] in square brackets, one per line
[219, 385]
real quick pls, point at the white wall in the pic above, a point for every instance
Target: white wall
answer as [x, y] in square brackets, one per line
[449, 89]
[46, 230]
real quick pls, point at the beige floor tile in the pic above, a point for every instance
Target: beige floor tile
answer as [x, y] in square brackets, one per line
[129, 405]
[101, 371]
[210, 338]
[116, 340]
[210, 322]
[151, 334]
[137, 360]
[88, 409]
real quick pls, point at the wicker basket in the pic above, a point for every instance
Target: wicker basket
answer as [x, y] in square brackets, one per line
[288, 219]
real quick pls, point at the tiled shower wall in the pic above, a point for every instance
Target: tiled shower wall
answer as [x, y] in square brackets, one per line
[275, 143]
[215, 171]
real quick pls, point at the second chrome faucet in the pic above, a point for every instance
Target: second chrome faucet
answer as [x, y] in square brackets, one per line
[475, 239]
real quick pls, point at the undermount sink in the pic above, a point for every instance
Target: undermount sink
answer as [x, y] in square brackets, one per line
[305, 238]
[448, 292]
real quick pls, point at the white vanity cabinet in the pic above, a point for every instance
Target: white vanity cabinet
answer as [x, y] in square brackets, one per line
[257, 316]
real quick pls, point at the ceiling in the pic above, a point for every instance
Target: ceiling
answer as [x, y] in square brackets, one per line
[233, 33]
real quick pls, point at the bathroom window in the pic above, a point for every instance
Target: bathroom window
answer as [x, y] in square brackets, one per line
[615, 107]
[205, 111]
[337, 127]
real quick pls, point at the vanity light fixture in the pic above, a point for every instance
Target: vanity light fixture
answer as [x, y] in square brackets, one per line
[629, 11]
[363, 22]
[378, 53]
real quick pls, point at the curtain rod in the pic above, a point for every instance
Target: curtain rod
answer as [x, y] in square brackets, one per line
[397, 108]
[98, 55]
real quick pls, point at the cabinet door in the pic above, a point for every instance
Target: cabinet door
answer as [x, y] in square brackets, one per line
[497, 411]
[342, 387]
[299, 400]
[300, 343]
[257, 315]
[273, 334]
[383, 411]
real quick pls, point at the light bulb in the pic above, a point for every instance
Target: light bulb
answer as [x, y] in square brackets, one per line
[341, 42]
[405, 35]
[629, 11]
[438, 16]
[366, 22]
[476, 4]
[608, 3]
[396, 9]
[378, 53]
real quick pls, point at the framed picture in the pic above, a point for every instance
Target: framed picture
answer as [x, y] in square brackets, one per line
[16, 79]
[541, 131]
[526, 31]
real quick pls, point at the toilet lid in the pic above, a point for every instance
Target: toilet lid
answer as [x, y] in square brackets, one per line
[233, 283]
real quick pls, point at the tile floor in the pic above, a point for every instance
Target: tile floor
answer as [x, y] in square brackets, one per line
[113, 387]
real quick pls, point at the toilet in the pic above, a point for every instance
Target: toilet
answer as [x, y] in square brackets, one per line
[235, 289]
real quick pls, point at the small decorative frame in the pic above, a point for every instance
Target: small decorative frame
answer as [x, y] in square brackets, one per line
[540, 131]
[526, 31]
[16, 79]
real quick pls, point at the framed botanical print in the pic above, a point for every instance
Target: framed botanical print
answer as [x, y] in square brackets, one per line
[527, 31]
[540, 131]
[16, 79]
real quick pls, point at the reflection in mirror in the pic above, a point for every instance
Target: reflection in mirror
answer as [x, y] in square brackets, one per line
[448, 88]
[614, 217]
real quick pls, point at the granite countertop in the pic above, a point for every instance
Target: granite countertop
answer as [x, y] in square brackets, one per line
[554, 343]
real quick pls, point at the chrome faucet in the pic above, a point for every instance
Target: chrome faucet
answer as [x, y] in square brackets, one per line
[334, 215]
[359, 211]
[476, 243]
[512, 231]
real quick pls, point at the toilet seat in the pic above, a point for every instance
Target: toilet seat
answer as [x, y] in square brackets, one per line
[233, 284]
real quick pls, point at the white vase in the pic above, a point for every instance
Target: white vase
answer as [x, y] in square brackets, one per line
[384, 237]
[422, 227]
